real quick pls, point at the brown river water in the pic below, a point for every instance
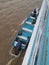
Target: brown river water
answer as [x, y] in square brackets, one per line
[12, 13]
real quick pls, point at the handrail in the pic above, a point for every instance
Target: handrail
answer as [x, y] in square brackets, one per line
[30, 48]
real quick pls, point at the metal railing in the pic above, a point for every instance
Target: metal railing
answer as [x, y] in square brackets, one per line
[33, 46]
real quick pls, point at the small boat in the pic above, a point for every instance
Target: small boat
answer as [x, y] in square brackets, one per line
[22, 38]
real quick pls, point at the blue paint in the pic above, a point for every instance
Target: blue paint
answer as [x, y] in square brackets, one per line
[45, 47]
[47, 36]
[42, 57]
[28, 26]
[29, 20]
[43, 40]
[26, 34]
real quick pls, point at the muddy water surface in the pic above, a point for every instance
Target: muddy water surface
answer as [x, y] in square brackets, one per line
[12, 12]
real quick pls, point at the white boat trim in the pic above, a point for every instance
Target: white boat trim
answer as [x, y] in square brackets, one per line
[22, 37]
[15, 43]
[23, 21]
[29, 23]
[28, 30]
[32, 17]
[23, 44]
